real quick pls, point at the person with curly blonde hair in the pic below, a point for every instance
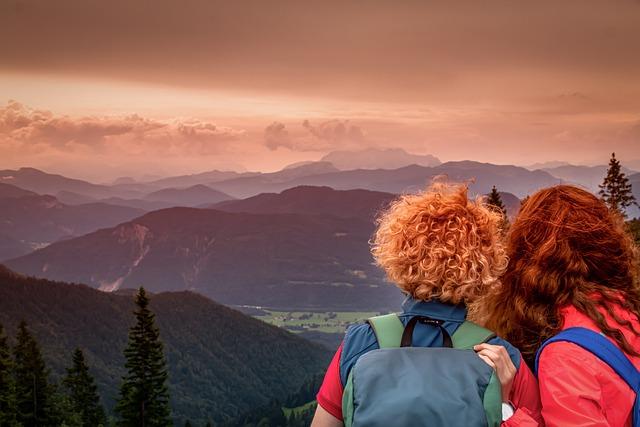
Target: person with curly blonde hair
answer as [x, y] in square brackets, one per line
[443, 250]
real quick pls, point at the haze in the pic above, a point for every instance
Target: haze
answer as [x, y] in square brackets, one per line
[103, 89]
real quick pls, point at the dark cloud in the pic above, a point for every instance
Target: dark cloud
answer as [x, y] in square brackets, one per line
[409, 50]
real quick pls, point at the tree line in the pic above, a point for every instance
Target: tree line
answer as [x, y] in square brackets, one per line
[29, 399]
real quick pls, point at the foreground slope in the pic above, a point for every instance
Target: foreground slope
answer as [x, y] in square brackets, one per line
[221, 362]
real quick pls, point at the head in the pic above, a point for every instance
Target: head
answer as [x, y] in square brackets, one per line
[440, 245]
[565, 247]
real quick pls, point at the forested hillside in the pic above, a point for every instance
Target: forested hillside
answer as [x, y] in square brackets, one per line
[221, 363]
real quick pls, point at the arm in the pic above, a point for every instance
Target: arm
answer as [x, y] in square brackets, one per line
[519, 386]
[569, 389]
[329, 411]
[324, 419]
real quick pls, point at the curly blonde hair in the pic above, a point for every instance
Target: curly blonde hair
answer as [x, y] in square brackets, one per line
[440, 245]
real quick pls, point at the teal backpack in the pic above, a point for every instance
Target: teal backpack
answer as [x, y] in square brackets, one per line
[401, 385]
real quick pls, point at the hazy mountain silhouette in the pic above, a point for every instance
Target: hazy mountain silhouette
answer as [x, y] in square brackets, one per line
[511, 203]
[547, 165]
[588, 177]
[11, 191]
[512, 179]
[364, 204]
[46, 183]
[392, 158]
[221, 362]
[190, 196]
[273, 182]
[198, 178]
[34, 220]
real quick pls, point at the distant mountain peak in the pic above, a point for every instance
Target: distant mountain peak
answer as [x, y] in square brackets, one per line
[374, 158]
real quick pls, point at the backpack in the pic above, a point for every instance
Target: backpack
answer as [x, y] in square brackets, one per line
[401, 385]
[606, 351]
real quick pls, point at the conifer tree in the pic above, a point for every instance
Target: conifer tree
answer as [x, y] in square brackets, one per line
[144, 397]
[7, 384]
[83, 392]
[495, 201]
[32, 387]
[615, 190]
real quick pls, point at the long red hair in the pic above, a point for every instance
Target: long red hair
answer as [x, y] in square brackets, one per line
[565, 248]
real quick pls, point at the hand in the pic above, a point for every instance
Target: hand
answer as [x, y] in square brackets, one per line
[497, 357]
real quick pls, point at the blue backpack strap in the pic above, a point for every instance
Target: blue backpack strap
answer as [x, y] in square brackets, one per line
[606, 351]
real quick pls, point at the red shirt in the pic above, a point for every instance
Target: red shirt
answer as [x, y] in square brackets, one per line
[577, 388]
[524, 395]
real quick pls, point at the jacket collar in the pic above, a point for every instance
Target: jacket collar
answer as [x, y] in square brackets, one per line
[434, 309]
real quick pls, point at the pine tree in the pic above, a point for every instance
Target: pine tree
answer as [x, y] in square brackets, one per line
[83, 392]
[615, 190]
[7, 384]
[495, 201]
[144, 397]
[61, 410]
[32, 387]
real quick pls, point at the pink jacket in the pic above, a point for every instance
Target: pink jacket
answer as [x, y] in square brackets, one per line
[576, 388]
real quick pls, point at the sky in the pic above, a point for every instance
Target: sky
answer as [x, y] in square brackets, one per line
[99, 89]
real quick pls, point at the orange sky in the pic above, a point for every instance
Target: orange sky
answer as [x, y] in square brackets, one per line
[103, 89]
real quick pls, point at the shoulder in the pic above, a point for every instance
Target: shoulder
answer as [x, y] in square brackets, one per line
[358, 339]
[564, 364]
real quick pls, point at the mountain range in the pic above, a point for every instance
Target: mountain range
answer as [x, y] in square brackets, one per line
[304, 248]
[221, 362]
[482, 176]
[29, 220]
[283, 254]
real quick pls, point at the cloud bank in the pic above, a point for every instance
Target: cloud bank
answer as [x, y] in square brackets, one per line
[31, 129]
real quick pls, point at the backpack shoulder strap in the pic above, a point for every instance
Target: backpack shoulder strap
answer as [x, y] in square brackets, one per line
[388, 330]
[606, 351]
[469, 334]
[601, 347]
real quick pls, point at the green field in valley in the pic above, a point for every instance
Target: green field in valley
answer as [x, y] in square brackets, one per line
[309, 321]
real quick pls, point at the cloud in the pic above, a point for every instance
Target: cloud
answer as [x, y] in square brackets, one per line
[276, 135]
[327, 135]
[335, 131]
[29, 128]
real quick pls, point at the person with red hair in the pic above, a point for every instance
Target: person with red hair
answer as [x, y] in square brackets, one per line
[570, 295]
